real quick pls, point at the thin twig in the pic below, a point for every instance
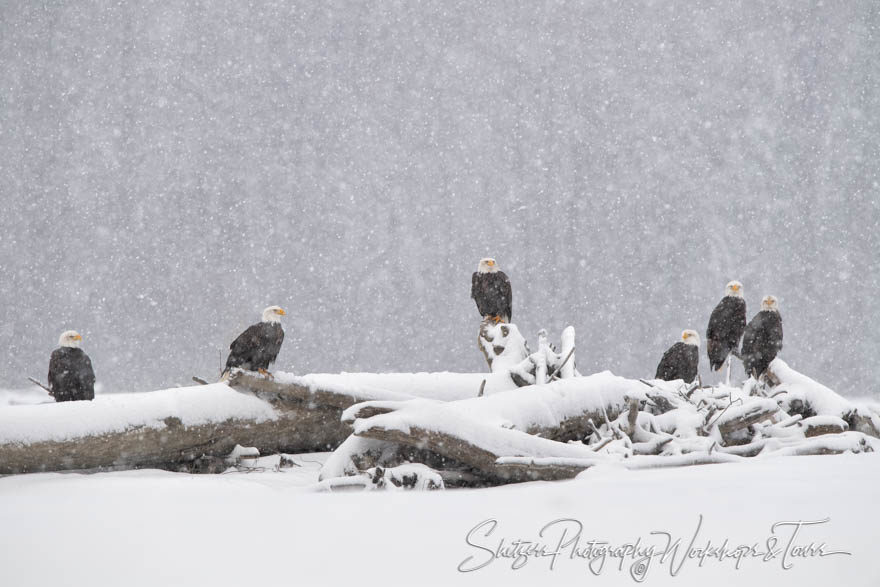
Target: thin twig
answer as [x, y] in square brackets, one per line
[602, 443]
[724, 410]
[35, 382]
[482, 388]
[554, 375]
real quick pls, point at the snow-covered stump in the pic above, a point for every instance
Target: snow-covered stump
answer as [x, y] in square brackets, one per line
[506, 351]
[502, 345]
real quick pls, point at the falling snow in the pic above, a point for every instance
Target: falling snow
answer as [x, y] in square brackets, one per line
[169, 169]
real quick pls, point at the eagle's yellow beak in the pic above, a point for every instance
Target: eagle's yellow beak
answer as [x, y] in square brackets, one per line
[684, 336]
[78, 337]
[734, 287]
[282, 312]
[490, 263]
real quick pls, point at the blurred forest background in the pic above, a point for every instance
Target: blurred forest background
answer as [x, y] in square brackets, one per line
[168, 169]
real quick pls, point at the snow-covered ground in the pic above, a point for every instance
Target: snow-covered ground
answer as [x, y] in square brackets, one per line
[25, 396]
[278, 527]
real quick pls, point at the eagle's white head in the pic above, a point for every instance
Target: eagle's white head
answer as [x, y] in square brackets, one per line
[487, 265]
[273, 314]
[690, 337]
[70, 338]
[734, 288]
[770, 304]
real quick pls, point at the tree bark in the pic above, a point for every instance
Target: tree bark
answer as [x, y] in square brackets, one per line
[294, 430]
[303, 421]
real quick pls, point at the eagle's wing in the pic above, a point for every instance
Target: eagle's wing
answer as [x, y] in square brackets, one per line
[474, 285]
[276, 345]
[88, 372]
[507, 295]
[667, 363]
[247, 341]
[750, 336]
[777, 332]
[54, 367]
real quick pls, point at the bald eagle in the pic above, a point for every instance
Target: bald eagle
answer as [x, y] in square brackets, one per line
[681, 360]
[763, 338]
[257, 347]
[726, 325]
[71, 377]
[490, 289]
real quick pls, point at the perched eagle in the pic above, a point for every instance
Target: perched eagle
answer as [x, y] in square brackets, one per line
[763, 338]
[490, 288]
[71, 377]
[257, 347]
[682, 359]
[726, 325]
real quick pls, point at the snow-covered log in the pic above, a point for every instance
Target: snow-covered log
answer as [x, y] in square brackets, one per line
[567, 409]
[798, 394]
[737, 418]
[343, 390]
[160, 428]
[535, 421]
[168, 427]
[479, 449]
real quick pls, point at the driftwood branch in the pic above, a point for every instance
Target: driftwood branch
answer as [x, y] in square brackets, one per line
[38, 384]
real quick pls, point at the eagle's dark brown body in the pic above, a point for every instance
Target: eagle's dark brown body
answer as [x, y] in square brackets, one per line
[680, 361]
[761, 342]
[255, 348]
[71, 377]
[493, 295]
[726, 326]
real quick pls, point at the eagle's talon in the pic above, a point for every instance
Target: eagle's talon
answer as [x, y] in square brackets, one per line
[266, 374]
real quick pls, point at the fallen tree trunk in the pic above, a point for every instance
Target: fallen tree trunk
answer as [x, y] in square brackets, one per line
[159, 429]
[480, 458]
[166, 428]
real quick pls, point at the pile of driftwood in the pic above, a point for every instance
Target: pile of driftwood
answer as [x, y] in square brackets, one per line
[559, 429]
[532, 417]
